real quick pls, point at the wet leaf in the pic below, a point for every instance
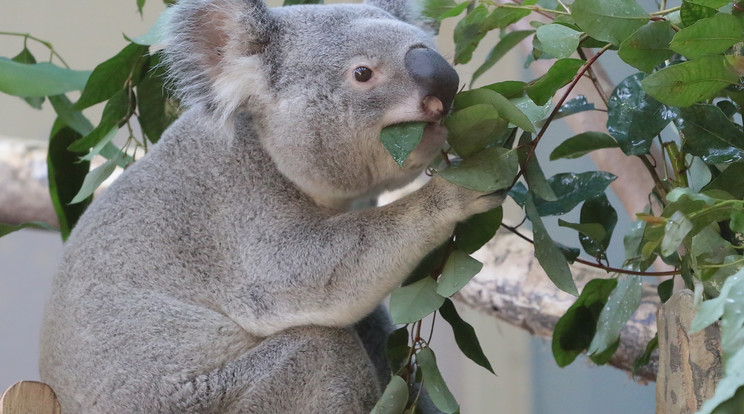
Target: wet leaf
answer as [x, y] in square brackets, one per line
[487, 171]
[473, 233]
[559, 75]
[709, 134]
[504, 45]
[465, 335]
[457, 272]
[411, 303]
[620, 306]
[574, 106]
[708, 36]
[582, 144]
[533, 172]
[599, 211]
[473, 128]
[572, 189]
[609, 21]
[634, 118]
[730, 180]
[401, 139]
[506, 109]
[394, 398]
[686, 83]
[648, 47]
[438, 392]
[558, 40]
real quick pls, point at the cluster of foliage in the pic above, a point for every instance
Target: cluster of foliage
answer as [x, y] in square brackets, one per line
[684, 105]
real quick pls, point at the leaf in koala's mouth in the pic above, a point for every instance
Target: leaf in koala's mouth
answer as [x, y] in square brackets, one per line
[401, 139]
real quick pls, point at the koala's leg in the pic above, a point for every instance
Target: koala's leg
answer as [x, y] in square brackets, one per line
[301, 370]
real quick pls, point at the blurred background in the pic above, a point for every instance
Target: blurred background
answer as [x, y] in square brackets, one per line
[86, 32]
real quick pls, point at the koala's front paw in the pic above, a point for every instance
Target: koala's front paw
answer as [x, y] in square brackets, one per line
[457, 203]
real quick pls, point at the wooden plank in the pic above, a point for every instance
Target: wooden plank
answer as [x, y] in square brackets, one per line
[29, 397]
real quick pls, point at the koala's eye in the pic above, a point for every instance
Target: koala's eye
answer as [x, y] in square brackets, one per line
[362, 74]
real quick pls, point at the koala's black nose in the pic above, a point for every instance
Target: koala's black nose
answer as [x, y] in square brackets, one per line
[433, 74]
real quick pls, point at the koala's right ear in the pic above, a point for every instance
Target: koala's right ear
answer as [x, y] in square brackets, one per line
[213, 52]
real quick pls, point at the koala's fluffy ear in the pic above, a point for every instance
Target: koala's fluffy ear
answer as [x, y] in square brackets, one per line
[213, 52]
[408, 11]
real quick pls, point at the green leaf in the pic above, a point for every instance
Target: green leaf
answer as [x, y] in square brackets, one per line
[27, 58]
[411, 303]
[559, 75]
[487, 171]
[533, 172]
[394, 398]
[511, 89]
[71, 117]
[633, 243]
[574, 331]
[592, 230]
[714, 4]
[609, 21]
[598, 210]
[473, 128]
[691, 13]
[6, 229]
[438, 392]
[465, 335]
[645, 358]
[621, 304]
[115, 111]
[709, 134]
[504, 45]
[458, 270]
[534, 112]
[468, 33]
[574, 106]
[397, 348]
[109, 77]
[93, 180]
[473, 233]
[582, 144]
[435, 8]
[648, 47]
[634, 118]
[549, 256]
[558, 40]
[504, 16]
[157, 33]
[665, 290]
[455, 11]
[401, 139]
[38, 79]
[155, 111]
[730, 180]
[708, 36]
[572, 189]
[504, 107]
[689, 82]
[66, 175]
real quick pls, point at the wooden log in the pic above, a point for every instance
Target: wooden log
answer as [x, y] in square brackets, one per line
[29, 397]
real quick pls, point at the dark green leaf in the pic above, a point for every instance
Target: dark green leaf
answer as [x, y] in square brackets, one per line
[401, 139]
[38, 79]
[691, 13]
[66, 175]
[10, 228]
[487, 171]
[593, 230]
[116, 109]
[709, 134]
[582, 144]
[708, 36]
[457, 272]
[109, 77]
[549, 256]
[27, 58]
[397, 348]
[598, 210]
[506, 109]
[465, 335]
[574, 106]
[574, 331]
[634, 118]
[665, 290]
[433, 261]
[504, 45]
[714, 4]
[394, 398]
[455, 11]
[559, 75]
[438, 392]
[689, 82]
[730, 180]
[473, 233]
[558, 40]
[411, 303]
[468, 33]
[572, 189]
[473, 128]
[645, 358]
[140, 5]
[620, 306]
[609, 21]
[152, 101]
[509, 89]
[504, 16]
[533, 172]
[648, 47]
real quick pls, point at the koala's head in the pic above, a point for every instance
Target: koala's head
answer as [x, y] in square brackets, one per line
[320, 82]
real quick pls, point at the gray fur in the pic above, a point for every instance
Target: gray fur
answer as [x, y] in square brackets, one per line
[222, 273]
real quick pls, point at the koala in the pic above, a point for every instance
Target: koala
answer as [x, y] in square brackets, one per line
[227, 270]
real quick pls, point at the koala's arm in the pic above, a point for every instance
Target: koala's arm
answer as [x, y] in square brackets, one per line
[338, 267]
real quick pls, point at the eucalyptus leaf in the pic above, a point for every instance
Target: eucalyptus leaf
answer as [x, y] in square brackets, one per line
[559, 75]
[397, 348]
[155, 108]
[401, 139]
[714, 4]
[115, 111]
[709, 134]
[502, 17]
[465, 336]
[620, 306]
[109, 77]
[686, 83]
[558, 40]
[582, 144]
[648, 47]
[438, 392]
[38, 79]
[665, 290]
[535, 113]
[708, 36]
[549, 256]
[634, 118]
[454, 11]
[593, 230]
[6, 229]
[27, 58]
[598, 210]
[473, 233]
[691, 12]
[506, 109]
[609, 21]
[394, 398]
[93, 180]
[574, 106]
[571, 189]
[411, 303]
[468, 33]
[157, 33]
[487, 171]
[504, 45]
[473, 128]
[457, 272]
[730, 180]
[533, 172]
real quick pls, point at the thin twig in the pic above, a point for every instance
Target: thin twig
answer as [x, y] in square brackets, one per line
[48, 45]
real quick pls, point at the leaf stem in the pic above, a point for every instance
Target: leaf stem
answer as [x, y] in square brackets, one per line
[608, 269]
[536, 9]
[48, 45]
[664, 12]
